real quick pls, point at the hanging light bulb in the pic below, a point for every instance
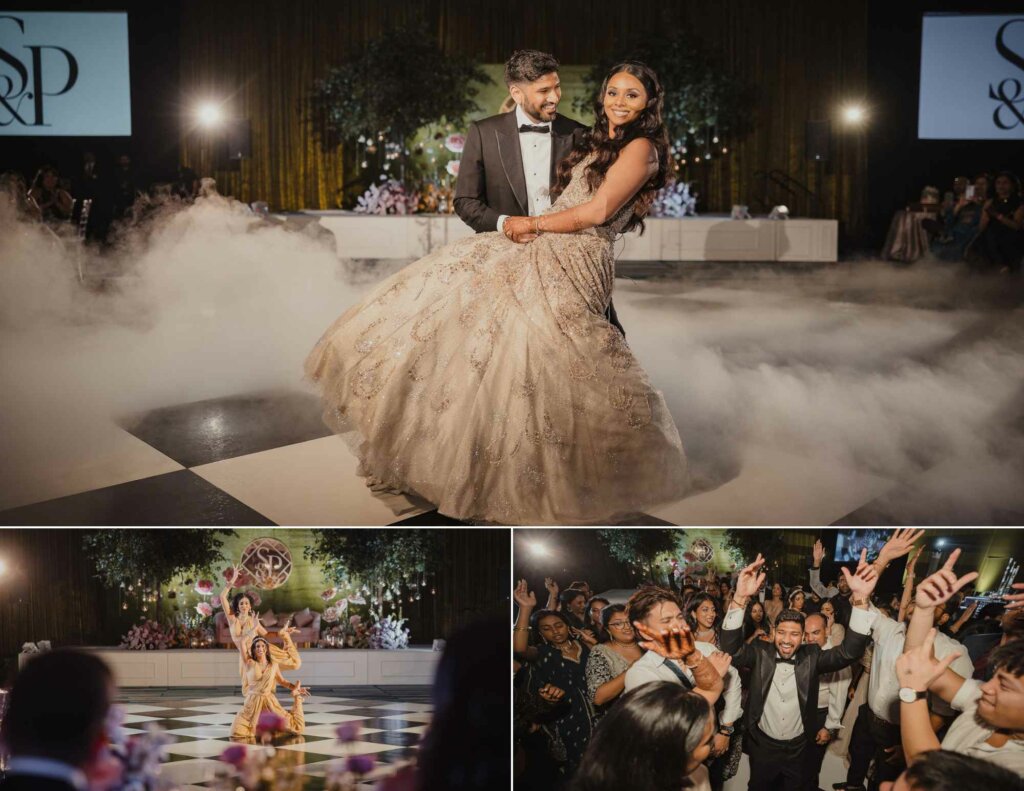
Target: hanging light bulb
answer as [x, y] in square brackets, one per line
[124, 606]
[725, 150]
[714, 139]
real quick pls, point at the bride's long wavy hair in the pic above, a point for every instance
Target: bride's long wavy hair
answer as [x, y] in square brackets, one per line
[649, 124]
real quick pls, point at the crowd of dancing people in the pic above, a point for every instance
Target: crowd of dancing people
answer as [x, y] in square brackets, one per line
[918, 692]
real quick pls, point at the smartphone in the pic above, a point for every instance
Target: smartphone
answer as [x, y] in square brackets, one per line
[969, 192]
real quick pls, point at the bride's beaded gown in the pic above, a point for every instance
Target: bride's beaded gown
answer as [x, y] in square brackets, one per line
[485, 379]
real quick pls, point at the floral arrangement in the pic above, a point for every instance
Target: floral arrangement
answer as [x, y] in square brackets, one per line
[254, 597]
[148, 636]
[675, 200]
[352, 633]
[40, 647]
[329, 594]
[389, 633]
[129, 763]
[331, 615]
[204, 587]
[205, 609]
[262, 768]
[243, 580]
[391, 197]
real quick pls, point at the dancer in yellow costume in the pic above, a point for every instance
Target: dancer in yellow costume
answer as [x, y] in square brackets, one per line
[245, 626]
[261, 676]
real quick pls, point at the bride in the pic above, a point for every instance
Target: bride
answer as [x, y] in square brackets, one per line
[484, 378]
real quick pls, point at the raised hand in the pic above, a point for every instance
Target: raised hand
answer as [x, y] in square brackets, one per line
[1016, 599]
[912, 563]
[523, 597]
[863, 581]
[818, 553]
[918, 668]
[940, 586]
[674, 643]
[587, 636]
[900, 544]
[751, 578]
[299, 691]
[720, 661]
[551, 586]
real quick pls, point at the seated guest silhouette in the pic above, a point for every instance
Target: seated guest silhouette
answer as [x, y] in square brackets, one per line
[54, 728]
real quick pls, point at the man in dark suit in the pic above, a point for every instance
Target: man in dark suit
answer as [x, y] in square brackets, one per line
[782, 707]
[54, 727]
[509, 161]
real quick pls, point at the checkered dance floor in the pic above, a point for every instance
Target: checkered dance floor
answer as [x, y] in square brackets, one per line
[391, 720]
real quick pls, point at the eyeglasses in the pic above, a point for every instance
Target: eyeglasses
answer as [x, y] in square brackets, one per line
[620, 624]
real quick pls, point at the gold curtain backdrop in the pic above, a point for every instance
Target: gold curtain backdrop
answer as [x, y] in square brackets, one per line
[804, 61]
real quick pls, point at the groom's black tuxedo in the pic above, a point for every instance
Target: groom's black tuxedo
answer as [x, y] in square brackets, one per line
[492, 181]
[491, 178]
[811, 661]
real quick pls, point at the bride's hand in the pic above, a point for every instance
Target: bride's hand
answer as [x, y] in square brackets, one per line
[518, 228]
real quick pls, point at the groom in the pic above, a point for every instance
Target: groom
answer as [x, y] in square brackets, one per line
[509, 161]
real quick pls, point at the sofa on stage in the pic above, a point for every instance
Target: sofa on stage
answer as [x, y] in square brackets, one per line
[707, 238]
[213, 667]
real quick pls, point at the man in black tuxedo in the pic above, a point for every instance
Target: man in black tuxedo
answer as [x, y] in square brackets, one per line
[510, 160]
[782, 708]
[55, 725]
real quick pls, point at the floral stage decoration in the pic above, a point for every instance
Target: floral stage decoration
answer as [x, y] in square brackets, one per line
[391, 197]
[389, 633]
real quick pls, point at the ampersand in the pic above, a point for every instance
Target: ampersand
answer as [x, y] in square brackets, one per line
[1008, 103]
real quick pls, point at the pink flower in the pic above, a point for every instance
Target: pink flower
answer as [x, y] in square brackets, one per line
[355, 620]
[348, 731]
[269, 722]
[204, 609]
[359, 764]
[453, 167]
[205, 587]
[455, 143]
[216, 604]
[254, 597]
[331, 615]
[235, 755]
[329, 594]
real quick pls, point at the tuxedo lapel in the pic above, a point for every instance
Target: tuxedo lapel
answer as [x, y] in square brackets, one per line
[803, 678]
[767, 671]
[511, 156]
[561, 144]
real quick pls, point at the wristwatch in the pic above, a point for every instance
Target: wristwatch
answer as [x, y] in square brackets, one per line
[726, 730]
[909, 695]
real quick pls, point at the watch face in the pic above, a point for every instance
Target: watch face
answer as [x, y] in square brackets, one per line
[908, 695]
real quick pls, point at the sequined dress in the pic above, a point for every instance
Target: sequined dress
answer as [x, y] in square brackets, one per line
[485, 378]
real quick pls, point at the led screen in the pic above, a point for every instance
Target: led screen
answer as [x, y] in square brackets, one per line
[64, 74]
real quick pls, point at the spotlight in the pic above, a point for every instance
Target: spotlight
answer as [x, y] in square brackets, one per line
[941, 542]
[854, 114]
[209, 114]
[539, 549]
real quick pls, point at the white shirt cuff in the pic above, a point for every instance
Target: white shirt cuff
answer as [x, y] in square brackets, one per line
[861, 621]
[501, 221]
[968, 693]
[733, 619]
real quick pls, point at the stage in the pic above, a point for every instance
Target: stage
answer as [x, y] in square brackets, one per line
[212, 667]
[705, 238]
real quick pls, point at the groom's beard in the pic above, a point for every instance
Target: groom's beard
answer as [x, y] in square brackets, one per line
[544, 112]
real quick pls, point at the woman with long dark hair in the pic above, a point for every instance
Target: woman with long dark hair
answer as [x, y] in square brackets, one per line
[262, 675]
[775, 603]
[704, 614]
[609, 661]
[485, 377]
[655, 738]
[560, 661]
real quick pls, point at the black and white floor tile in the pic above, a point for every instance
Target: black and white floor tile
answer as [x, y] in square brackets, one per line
[391, 722]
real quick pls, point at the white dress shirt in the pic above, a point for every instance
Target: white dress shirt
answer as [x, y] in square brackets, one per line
[832, 689]
[884, 686]
[536, 150]
[817, 587]
[969, 735]
[781, 716]
[651, 667]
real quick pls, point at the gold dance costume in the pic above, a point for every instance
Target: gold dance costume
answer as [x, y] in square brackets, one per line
[260, 682]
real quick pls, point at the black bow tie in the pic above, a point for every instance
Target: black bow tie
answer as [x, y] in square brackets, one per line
[780, 661]
[542, 129]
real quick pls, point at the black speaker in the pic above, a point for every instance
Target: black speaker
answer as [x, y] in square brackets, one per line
[818, 136]
[238, 137]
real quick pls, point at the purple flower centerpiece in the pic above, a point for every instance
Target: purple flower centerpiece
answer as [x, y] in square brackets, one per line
[269, 723]
[359, 764]
[391, 197]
